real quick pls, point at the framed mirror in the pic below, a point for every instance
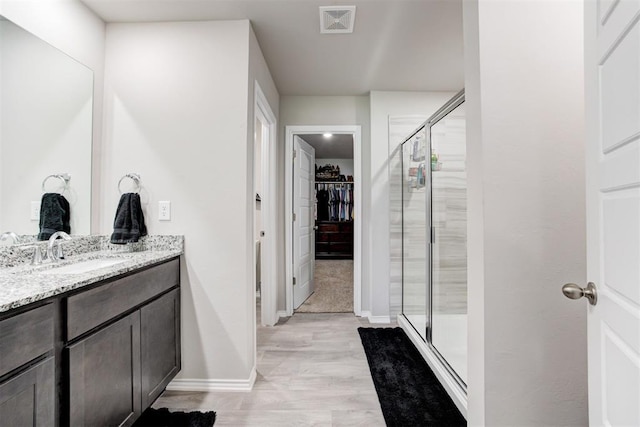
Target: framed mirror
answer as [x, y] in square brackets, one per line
[46, 101]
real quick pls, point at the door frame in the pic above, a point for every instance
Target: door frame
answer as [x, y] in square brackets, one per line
[268, 293]
[356, 131]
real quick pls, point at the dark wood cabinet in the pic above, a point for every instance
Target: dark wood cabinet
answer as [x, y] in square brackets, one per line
[92, 357]
[334, 239]
[28, 398]
[119, 366]
[104, 376]
[27, 368]
[25, 336]
[160, 345]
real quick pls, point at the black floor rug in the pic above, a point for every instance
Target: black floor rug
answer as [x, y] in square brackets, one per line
[163, 418]
[409, 392]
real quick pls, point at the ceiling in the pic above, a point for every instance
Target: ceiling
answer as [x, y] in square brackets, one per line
[397, 45]
[339, 146]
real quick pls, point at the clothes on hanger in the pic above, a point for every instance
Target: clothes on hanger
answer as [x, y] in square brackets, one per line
[322, 204]
[334, 202]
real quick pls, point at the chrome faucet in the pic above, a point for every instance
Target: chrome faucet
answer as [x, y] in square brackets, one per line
[9, 235]
[57, 255]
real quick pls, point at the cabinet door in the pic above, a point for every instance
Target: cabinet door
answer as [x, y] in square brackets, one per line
[28, 399]
[160, 345]
[104, 376]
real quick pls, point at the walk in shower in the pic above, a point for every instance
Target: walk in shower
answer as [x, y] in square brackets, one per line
[434, 241]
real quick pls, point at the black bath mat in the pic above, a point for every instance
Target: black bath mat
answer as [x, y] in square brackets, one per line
[163, 418]
[409, 392]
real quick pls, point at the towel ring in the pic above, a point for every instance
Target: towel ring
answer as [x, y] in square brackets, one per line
[64, 177]
[135, 178]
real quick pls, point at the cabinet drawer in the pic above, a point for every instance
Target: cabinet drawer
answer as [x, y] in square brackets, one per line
[25, 336]
[340, 247]
[328, 227]
[342, 237]
[89, 309]
[346, 227]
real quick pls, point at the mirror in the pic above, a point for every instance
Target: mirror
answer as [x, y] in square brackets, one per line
[46, 100]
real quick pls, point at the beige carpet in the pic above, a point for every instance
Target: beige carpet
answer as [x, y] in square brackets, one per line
[333, 288]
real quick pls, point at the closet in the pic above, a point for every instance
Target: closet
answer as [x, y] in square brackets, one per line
[334, 220]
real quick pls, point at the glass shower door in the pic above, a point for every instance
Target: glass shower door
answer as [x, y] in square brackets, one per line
[415, 256]
[434, 236]
[448, 329]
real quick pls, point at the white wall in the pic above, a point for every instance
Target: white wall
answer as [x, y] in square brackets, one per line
[323, 110]
[383, 105]
[475, 221]
[72, 28]
[525, 137]
[258, 73]
[176, 111]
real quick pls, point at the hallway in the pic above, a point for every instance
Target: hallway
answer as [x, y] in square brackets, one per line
[333, 288]
[312, 370]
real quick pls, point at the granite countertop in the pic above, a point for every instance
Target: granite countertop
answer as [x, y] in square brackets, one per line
[26, 284]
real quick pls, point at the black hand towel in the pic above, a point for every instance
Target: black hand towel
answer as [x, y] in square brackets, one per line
[55, 215]
[128, 226]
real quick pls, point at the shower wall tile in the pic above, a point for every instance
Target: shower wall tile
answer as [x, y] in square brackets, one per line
[449, 219]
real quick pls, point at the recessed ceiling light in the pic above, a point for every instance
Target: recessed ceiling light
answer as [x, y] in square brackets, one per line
[327, 135]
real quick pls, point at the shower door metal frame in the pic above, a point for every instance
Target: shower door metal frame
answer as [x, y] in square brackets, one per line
[447, 108]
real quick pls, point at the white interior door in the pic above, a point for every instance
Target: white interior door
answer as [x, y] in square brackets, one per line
[612, 58]
[303, 231]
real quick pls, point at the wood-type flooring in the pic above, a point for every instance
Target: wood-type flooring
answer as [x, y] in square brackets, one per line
[312, 371]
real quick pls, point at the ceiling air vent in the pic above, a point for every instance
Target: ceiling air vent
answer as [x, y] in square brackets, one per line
[337, 19]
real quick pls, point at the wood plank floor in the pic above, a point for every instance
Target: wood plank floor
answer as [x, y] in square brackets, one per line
[312, 371]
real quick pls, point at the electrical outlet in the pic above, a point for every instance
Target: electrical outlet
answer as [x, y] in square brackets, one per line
[35, 211]
[164, 210]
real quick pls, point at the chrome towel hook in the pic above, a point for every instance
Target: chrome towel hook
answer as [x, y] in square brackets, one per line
[63, 177]
[135, 178]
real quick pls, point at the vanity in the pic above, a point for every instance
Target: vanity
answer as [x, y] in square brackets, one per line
[88, 346]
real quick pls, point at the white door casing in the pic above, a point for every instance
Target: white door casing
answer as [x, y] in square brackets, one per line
[612, 76]
[290, 133]
[268, 300]
[303, 224]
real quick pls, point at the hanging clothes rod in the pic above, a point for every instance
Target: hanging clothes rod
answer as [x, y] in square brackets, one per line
[334, 182]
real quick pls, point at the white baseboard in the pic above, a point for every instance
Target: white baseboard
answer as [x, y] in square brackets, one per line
[457, 394]
[375, 319]
[194, 384]
[281, 313]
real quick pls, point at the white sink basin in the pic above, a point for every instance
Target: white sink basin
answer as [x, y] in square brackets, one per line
[84, 266]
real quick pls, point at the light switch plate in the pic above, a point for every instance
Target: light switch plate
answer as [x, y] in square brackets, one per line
[164, 210]
[35, 211]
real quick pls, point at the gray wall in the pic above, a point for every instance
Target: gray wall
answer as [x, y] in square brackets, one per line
[526, 186]
[189, 132]
[323, 110]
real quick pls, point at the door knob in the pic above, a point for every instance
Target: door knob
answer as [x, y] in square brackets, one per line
[573, 291]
